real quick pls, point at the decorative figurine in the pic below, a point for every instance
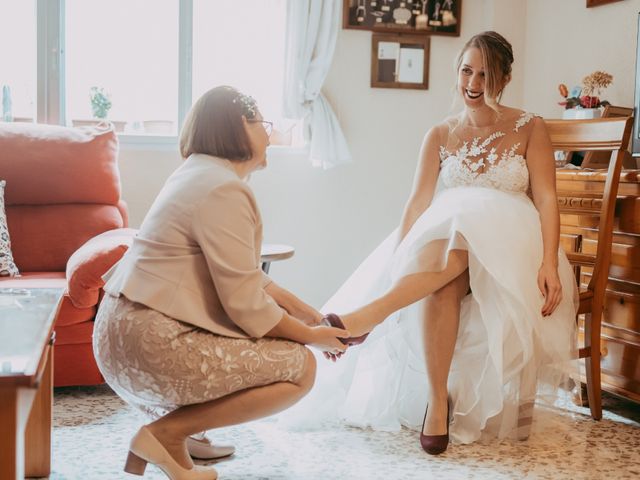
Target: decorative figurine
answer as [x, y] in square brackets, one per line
[448, 18]
[6, 104]
[402, 15]
[422, 20]
[361, 11]
[437, 12]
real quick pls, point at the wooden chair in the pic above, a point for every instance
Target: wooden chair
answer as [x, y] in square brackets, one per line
[601, 159]
[603, 134]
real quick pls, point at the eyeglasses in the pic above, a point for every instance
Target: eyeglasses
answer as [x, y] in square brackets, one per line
[268, 126]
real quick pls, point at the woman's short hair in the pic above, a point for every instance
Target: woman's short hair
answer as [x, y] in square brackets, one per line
[214, 125]
[497, 56]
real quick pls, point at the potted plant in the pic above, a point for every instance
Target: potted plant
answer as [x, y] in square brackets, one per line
[584, 101]
[100, 102]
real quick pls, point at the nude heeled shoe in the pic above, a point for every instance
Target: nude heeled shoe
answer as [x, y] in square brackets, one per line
[145, 448]
[202, 449]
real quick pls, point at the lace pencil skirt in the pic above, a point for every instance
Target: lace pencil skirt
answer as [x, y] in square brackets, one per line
[157, 363]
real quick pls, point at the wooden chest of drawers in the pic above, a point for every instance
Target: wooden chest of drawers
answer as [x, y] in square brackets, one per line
[621, 322]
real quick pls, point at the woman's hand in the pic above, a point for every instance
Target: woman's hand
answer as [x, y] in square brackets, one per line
[326, 340]
[550, 287]
[306, 313]
[293, 305]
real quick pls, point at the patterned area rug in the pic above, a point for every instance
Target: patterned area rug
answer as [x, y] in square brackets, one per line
[92, 429]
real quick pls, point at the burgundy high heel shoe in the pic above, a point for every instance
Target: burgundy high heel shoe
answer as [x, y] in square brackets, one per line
[434, 444]
[333, 320]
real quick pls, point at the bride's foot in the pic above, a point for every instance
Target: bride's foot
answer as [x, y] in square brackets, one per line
[434, 437]
[359, 322]
[333, 320]
[435, 420]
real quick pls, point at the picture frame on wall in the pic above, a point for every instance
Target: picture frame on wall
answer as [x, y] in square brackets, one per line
[596, 3]
[400, 61]
[419, 17]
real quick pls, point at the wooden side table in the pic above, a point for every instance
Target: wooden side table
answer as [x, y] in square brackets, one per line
[273, 252]
[26, 380]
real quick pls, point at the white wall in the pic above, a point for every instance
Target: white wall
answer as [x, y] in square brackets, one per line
[566, 41]
[335, 218]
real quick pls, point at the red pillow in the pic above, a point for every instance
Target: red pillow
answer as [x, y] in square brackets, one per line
[91, 261]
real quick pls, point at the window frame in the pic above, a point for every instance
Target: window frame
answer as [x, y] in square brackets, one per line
[50, 71]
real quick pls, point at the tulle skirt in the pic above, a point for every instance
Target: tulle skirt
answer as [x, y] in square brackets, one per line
[507, 355]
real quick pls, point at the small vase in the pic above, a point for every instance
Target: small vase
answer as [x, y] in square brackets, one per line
[581, 113]
[422, 21]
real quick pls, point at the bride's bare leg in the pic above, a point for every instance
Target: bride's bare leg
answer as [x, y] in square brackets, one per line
[407, 290]
[440, 331]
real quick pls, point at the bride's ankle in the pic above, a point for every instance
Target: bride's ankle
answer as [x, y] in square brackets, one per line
[438, 401]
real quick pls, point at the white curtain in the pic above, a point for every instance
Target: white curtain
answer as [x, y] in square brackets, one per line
[312, 30]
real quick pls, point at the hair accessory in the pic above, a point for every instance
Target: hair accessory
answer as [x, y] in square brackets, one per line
[248, 104]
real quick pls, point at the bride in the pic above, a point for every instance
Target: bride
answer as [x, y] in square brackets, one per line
[470, 303]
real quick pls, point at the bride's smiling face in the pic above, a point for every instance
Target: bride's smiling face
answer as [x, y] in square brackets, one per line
[471, 81]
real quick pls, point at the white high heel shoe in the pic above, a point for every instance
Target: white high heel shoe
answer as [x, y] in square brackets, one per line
[145, 448]
[200, 447]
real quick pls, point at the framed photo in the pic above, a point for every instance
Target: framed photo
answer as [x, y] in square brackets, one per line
[400, 61]
[419, 17]
[595, 3]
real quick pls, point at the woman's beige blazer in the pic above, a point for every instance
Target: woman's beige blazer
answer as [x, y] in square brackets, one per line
[197, 255]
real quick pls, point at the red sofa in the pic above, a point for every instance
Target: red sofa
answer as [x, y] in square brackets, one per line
[63, 189]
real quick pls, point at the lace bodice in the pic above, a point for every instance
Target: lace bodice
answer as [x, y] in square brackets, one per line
[487, 157]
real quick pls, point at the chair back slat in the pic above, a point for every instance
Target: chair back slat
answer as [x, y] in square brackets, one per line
[604, 134]
[596, 134]
[582, 259]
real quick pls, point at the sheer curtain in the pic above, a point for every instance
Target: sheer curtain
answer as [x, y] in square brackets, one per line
[312, 30]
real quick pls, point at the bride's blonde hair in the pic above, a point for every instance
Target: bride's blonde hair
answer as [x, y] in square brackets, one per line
[497, 56]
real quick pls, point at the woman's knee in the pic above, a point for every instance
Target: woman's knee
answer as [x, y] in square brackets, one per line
[452, 292]
[308, 376]
[459, 258]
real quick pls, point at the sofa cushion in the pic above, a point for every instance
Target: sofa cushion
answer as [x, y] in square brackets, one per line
[91, 261]
[44, 237]
[74, 365]
[48, 164]
[72, 315]
[7, 266]
[74, 334]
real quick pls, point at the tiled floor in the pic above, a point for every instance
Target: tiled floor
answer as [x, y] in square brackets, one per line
[92, 428]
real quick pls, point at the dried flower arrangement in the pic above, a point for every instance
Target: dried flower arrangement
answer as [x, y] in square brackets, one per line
[587, 96]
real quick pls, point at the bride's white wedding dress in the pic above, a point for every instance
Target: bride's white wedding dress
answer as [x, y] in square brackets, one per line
[507, 354]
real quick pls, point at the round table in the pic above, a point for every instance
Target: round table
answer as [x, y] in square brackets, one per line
[273, 252]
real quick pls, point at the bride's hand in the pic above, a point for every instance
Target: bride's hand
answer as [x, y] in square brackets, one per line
[550, 287]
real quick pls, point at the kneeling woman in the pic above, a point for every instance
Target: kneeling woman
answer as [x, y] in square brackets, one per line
[191, 330]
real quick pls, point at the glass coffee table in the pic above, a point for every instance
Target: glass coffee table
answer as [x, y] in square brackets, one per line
[26, 380]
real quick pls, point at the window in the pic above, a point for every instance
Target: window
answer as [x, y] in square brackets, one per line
[139, 63]
[18, 61]
[127, 52]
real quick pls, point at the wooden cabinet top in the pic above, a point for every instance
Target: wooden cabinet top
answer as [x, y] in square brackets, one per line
[627, 176]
